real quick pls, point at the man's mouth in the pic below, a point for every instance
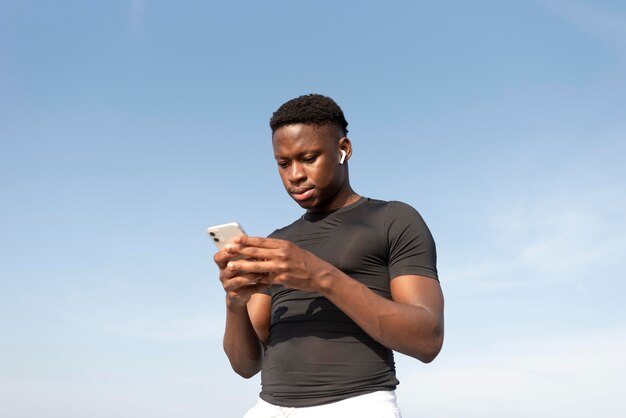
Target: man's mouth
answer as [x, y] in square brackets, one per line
[301, 194]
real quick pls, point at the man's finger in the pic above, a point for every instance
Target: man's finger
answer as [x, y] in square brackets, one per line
[257, 253]
[252, 266]
[241, 281]
[248, 241]
[222, 257]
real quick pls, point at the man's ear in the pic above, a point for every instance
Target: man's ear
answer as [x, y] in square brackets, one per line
[345, 149]
[343, 157]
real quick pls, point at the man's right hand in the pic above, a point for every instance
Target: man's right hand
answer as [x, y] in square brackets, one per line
[239, 287]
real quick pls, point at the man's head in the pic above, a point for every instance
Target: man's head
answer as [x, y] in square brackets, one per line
[311, 150]
[310, 109]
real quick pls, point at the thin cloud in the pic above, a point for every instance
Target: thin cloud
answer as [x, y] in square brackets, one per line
[136, 13]
[574, 376]
[593, 19]
[184, 328]
[550, 239]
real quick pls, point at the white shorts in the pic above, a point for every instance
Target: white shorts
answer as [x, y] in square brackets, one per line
[381, 404]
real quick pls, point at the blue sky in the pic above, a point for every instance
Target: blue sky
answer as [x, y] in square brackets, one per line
[128, 127]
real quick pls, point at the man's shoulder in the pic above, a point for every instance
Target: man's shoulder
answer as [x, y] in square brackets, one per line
[380, 202]
[391, 206]
[370, 208]
[281, 233]
[394, 212]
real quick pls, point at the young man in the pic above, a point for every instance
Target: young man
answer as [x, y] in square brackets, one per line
[319, 306]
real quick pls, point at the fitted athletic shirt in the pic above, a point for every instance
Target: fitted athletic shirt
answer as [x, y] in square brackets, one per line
[315, 353]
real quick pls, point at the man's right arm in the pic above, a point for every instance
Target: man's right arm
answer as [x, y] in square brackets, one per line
[247, 317]
[247, 328]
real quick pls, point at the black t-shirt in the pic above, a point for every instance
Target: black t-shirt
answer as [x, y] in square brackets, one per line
[316, 354]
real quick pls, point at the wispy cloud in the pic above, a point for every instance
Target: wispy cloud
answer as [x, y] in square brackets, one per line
[574, 376]
[193, 327]
[136, 13]
[550, 239]
[592, 18]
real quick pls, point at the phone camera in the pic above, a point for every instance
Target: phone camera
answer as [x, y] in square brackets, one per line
[216, 239]
[212, 234]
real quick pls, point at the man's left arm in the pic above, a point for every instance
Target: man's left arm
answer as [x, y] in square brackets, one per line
[411, 323]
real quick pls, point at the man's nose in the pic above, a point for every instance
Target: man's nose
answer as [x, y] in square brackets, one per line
[296, 173]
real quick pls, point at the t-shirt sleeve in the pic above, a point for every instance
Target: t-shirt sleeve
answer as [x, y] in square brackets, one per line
[411, 245]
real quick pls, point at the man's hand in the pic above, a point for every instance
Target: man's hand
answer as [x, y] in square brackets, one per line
[239, 286]
[274, 261]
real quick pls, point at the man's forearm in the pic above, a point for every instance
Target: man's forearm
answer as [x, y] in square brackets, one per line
[409, 329]
[241, 344]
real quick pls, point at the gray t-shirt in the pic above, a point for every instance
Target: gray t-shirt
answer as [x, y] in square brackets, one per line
[316, 354]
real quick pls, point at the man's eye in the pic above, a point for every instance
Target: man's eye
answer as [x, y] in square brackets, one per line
[283, 164]
[309, 159]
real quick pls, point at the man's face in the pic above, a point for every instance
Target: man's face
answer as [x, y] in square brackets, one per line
[307, 158]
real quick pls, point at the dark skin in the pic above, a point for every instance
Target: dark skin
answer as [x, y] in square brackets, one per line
[307, 158]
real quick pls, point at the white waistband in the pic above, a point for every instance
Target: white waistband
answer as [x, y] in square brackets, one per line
[380, 404]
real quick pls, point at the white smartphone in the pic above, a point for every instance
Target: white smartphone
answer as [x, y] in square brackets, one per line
[225, 233]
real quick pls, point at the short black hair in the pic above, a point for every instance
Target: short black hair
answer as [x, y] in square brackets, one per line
[310, 109]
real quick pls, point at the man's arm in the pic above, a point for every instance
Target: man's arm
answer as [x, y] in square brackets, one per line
[247, 318]
[411, 323]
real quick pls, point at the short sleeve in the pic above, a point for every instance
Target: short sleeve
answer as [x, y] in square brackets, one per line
[411, 245]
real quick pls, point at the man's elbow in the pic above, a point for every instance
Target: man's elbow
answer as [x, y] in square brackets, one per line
[431, 347]
[428, 357]
[244, 367]
[245, 373]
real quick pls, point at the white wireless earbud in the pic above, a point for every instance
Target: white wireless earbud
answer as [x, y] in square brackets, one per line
[343, 157]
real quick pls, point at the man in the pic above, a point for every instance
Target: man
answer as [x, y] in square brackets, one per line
[319, 306]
